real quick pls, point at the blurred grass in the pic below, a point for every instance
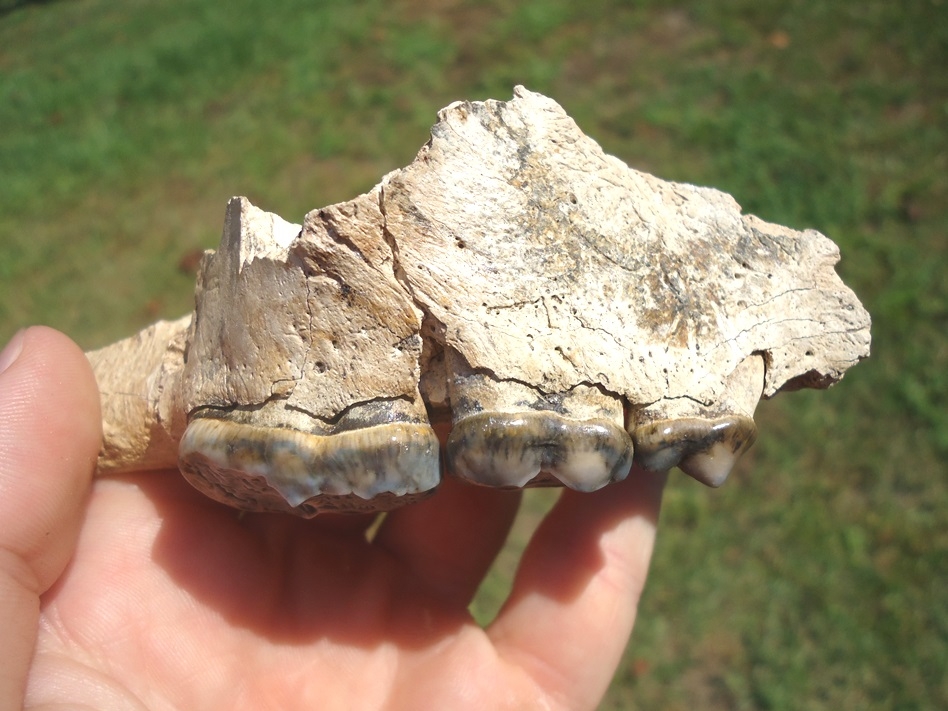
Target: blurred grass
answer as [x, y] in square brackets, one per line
[816, 578]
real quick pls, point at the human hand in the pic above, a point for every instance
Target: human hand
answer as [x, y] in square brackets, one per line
[138, 592]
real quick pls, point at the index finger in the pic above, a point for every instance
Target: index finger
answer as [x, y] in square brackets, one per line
[576, 592]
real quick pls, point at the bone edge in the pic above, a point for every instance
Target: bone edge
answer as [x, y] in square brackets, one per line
[137, 379]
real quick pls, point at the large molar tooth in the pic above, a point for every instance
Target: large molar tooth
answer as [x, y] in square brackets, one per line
[506, 435]
[705, 442]
[371, 460]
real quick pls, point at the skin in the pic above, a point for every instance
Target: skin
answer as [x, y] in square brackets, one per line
[138, 592]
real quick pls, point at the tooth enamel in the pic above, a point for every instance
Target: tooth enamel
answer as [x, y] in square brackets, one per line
[506, 434]
[511, 450]
[703, 441]
[713, 465]
[704, 449]
[400, 459]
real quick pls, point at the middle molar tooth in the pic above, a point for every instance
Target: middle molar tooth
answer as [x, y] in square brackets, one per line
[535, 448]
[506, 435]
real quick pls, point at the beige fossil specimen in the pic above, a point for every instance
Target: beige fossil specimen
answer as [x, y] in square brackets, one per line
[564, 313]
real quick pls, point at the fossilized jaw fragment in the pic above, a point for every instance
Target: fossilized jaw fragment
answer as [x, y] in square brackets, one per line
[555, 305]
[570, 269]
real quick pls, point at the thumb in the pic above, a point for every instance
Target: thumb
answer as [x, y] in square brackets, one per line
[50, 434]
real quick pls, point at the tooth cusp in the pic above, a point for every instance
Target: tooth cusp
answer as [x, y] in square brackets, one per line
[515, 450]
[704, 449]
[261, 468]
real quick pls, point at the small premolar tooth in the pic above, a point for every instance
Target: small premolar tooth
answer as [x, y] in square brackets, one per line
[703, 440]
[395, 459]
[704, 449]
[512, 450]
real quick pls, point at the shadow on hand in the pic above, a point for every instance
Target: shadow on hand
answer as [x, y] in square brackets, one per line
[299, 581]
[291, 580]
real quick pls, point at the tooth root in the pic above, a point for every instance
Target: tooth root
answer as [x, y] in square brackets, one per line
[705, 442]
[371, 460]
[505, 435]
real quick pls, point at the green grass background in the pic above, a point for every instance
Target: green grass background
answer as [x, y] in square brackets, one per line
[817, 577]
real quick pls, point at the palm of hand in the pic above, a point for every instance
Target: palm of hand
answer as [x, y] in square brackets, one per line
[151, 596]
[174, 602]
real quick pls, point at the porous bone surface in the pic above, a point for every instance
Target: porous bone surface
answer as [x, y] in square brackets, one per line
[515, 242]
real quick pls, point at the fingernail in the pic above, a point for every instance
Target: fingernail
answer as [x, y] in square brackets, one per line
[12, 350]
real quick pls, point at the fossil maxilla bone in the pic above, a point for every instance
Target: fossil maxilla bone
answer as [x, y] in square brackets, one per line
[564, 311]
